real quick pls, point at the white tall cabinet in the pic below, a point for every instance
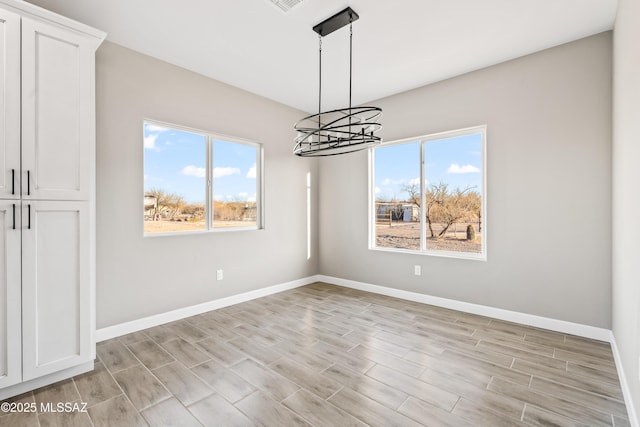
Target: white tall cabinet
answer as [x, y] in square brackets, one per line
[47, 200]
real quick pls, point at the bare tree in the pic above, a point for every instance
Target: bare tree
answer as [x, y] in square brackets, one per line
[454, 206]
[167, 202]
[445, 207]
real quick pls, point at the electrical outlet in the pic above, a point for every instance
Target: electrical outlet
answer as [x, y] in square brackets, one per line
[219, 275]
[417, 270]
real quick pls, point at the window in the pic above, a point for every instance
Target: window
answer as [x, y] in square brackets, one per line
[429, 194]
[198, 181]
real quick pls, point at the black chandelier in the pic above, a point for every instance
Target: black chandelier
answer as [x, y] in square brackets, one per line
[337, 131]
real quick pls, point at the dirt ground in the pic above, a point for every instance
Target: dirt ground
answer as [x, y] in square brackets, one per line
[177, 226]
[407, 236]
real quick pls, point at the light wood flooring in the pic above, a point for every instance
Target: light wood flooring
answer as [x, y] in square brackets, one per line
[323, 355]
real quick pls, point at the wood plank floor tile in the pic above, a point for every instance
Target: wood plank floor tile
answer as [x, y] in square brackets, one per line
[141, 387]
[369, 411]
[261, 336]
[185, 352]
[301, 355]
[115, 355]
[610, 377]
[338, 356]
[151, 354]
[161, 333]
[215, 411]
[216, 331]
[326, 355]
[20, 419]
[222, 351]
[482, 366]
[224, 381]
[116, 412]
[225, 320]
[557, 404]
[257, 352]
[378, 344]
[170, 413]
[133, 337]
[416, 388]
[457, 371]
[182, 383]
[367, 386]
[97, 386]
[264, 411]
[483, 416]
[621, 421]
[429, 415]
[265, 379]
[317, 384]
[586, 360]
[499, 403]
[388, 360]
[582, 397]
[541, 418]
[61, 392]
[65, 419]
[570, 379]
[318, 411]
[187, 331]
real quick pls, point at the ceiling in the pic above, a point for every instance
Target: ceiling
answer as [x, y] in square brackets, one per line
[398, 45]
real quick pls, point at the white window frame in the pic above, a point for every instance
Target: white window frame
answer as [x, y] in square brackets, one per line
[422, 140]
[210, 137]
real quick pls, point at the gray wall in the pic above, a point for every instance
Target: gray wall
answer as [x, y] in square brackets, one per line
[138, 277]
[548, 118]
[626, 193]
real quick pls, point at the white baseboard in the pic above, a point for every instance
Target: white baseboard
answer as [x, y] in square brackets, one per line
[563, 326]
[109, 332]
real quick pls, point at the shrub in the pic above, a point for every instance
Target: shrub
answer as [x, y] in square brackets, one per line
[471, 232]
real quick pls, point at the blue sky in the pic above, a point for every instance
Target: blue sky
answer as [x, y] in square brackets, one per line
[175, 161]
[456, 161]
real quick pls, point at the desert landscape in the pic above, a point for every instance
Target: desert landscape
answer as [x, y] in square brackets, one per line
[406, 235]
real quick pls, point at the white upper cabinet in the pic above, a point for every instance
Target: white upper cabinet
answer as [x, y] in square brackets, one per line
[9, 105]
[47, 196]
[57, 121]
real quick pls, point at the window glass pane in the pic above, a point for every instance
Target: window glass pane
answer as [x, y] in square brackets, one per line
[397, 196]
[453, 194]
[234, 184]
[174, 180]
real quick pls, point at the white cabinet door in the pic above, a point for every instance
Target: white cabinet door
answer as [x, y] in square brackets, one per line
[10, 298]
[56, 289]
[9, 105]
[58, 130]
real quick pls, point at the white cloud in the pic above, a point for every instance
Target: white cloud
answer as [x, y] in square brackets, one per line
[414, 181]
[243, 195]
[150, 142]
[252, 171]
[192, 170]
[225, 171]
[378, 190]
[252, 199]
[456, 168]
